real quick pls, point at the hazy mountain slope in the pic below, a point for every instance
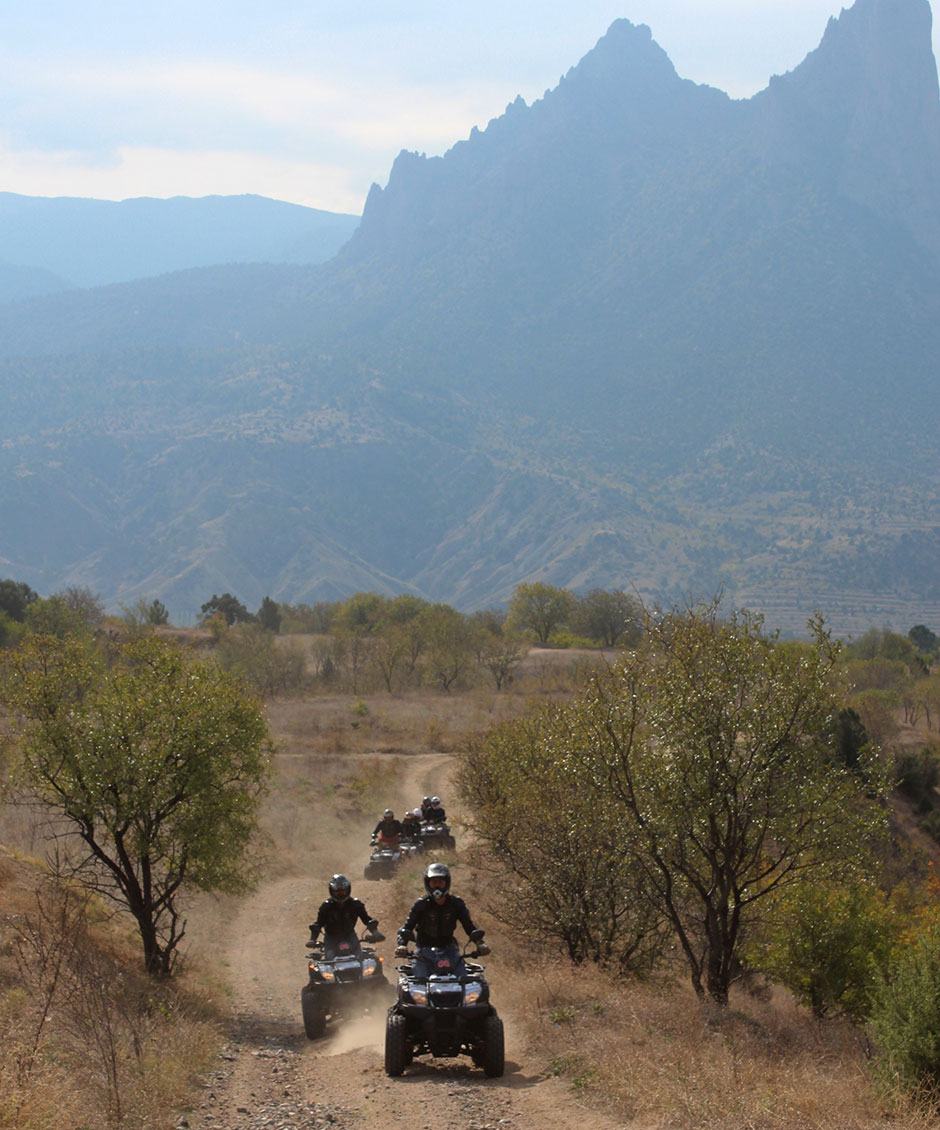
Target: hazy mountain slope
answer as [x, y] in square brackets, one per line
[636, 333]
[24, 282]
[98, 242]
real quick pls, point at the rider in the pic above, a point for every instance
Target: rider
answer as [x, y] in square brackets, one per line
[411, 826]
[434, 917]
[425, 807]
[337, 917]
[436, 813]
[388, 829]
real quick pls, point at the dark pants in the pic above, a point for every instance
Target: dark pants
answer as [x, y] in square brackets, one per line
[428, 961]
[332, 942]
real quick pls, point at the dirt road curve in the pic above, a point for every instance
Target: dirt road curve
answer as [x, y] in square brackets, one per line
[271, 1077]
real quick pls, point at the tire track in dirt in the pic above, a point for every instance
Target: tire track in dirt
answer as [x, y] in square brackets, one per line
[271, 1077]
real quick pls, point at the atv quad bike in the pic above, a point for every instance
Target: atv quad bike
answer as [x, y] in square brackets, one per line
[437, 837]
[447, 1015]
[349, 981]
[385, 859]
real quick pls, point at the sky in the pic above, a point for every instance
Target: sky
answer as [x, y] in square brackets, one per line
[310, 102]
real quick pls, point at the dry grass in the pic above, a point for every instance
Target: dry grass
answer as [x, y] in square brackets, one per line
[87, 1039]
[654, 1057]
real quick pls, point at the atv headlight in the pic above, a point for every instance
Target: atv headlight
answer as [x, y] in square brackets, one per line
[327, 974]
[369, 967]
[419, 994]
[471, 993]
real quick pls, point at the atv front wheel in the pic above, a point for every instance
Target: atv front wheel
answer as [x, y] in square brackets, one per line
[494, 1055]
[314, 1014]
[397, 1045]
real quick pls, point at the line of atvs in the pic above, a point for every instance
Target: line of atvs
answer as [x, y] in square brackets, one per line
[387, 855]
[445, 1015]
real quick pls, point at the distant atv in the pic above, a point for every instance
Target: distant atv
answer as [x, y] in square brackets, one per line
[437, 837]
[349, 981]
[447, 1015]
[411, 846]
[385, 859]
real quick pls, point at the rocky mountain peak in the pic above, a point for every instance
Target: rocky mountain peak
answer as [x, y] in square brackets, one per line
[866, 106]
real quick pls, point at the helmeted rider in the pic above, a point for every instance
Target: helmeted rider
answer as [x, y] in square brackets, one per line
[337, 918]
[411, 826]
[388, 829]
[431, 923]
[425, 807]
[436, 813]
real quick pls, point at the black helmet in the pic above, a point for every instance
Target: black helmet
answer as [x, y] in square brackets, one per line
[426, 800]
[437, 871]
[388, 814]
[340, 887]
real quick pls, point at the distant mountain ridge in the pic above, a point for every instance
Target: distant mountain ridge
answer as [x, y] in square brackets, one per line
[637, 333]
[90, 243]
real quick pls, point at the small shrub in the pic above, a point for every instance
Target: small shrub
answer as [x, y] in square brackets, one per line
[931, 824]
[917, 772]
[828, 945]
[905, 1017]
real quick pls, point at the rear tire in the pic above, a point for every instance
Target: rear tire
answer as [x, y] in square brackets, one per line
[314, 1014]
[494, 1050]
[398, 1051]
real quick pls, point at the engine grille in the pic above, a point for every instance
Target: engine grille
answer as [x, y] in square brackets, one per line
[449, 999]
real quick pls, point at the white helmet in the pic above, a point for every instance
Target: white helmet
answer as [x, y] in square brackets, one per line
[435, 800]
[417, 812]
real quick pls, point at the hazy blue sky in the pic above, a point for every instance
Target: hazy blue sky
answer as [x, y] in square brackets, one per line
[310, 102]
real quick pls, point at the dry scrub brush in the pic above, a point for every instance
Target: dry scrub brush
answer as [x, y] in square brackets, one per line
[652, 1055]
[88, 1039]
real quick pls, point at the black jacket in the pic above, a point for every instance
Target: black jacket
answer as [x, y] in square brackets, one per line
[392, 828]
[434, 923]
[338, 919]
[436, 815]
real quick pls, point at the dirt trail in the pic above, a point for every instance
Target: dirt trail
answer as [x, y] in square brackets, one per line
[272, 1077]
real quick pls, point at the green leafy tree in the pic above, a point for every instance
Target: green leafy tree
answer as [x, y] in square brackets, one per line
[563, 846]
[88, 604]
[540, 608]
[355, 626]
[142, 616]
[11, 631]
[15, 596]
[54, 616]
[450, 645]
[849, 738]
[713, 740]
[880, 643]
[609, 618]
[905, 1016]
[924, 639]
[156, 613]
[500, 655]
[828, 944]
[229, 607]
[267, 665]
[878, 712]
[152, 765]
[269, 615]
